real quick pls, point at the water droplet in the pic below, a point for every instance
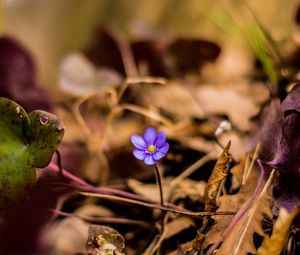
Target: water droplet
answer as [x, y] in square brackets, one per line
[44, 120]
[18, 109]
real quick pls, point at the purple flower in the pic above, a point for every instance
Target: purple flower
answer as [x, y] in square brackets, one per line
[150, 148]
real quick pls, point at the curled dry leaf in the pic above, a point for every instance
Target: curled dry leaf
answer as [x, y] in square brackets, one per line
[219, 173]
[275, 243]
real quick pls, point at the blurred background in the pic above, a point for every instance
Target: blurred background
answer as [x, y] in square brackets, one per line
[50, 29]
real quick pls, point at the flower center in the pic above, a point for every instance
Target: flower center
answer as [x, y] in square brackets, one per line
[151, 149]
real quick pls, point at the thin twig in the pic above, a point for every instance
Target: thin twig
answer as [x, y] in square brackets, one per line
[143, 111]
[103, 219]
[254, 158]
[156, 206]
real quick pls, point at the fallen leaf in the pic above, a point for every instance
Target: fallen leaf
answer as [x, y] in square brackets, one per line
[239, 241]
[187, 188]
[230, 203]
[150, 191]
[274, 244]
[78, 76]
[219, 173]
[67, 237]
[177, 225]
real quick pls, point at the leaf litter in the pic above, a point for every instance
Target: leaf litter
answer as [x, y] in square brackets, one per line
[219, 188]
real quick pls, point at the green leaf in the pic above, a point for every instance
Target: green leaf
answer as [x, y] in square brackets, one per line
[26, 142]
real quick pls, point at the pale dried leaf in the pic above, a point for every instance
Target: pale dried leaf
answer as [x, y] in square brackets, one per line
[176, 100]
[150, 191]
[78, 76]
[187, 188]
[184, 102]
[67, 237]
[274, 244]
[221, 100]
[196, 143]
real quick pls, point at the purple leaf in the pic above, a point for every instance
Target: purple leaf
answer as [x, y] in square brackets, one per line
[280, 146]
[17, 77]
[22, 224]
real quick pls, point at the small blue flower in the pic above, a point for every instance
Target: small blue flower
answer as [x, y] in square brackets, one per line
[151, 148]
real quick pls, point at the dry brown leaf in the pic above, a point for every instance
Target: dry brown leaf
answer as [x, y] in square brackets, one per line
[195, 143]
[274, 244]
[184, 102]
[188, 246]
[239, 241]
[219, 173]
[176, 100]
[194, 190]
[177, 225]
[220, 100]
[238, 170]
[230, 203]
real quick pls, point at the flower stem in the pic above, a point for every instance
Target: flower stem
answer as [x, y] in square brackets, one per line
[102, 190]
[159, 182]
[161, 195]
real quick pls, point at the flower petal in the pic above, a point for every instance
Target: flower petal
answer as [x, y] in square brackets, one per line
[161, 139]
[139, 154]
[161, 152]
[150, 135]
[138, 142]
[149, 160]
